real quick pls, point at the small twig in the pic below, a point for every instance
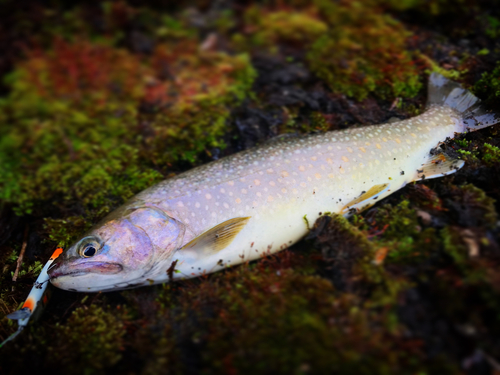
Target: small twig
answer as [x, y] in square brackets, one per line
[21, 254]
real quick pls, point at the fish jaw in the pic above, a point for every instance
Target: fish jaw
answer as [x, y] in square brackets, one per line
[68, 275]
[68, 269]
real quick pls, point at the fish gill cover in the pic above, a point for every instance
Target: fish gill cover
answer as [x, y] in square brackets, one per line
[100, 101]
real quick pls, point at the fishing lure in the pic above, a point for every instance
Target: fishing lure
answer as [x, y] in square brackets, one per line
[36, 300]
[253, 203]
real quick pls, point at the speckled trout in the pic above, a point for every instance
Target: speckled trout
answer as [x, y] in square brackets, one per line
[255, 202]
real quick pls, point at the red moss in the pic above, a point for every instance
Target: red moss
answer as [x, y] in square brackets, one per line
[77, 70]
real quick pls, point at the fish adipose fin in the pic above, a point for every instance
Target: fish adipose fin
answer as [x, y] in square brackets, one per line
[438, 165]
[443, 92]
[365, 200]
[218, 237]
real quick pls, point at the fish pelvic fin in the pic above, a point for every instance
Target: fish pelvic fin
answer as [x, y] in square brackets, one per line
[444, 92]
[217, 238]
[438, 165]
[365, 200]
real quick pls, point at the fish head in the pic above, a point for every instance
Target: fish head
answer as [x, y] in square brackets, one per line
[118, 253]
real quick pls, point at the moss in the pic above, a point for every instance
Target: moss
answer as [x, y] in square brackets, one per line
[317, 122]
[89, 342]
[77, 137]
[472, 277]
[110, 99]
[163, 356]
[64, 231]
[314, 329]
[491, 155]
[355, 51]
[488, 86]
[210, 82]
[453, 74]
[493, 28]
[432, 8]
[268, 29]
[397, 231]
[473, 207]
[364, 52]
[356, 258]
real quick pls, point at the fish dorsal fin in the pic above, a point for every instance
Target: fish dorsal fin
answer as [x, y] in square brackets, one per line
[438, 165]
[217, 238]
[366, 199]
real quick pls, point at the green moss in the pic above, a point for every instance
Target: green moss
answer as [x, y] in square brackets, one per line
[432, 8]
[161, 353]
[493, 28]
[64, 231]
[364, 52]
[491, 155]
[88, 124]
[452, 74]
[478, 207]
[211, 82]
[89, 342]
[268, 28]
[355, 50]
[314, 328]
[398, 232]
[473, 276]
[317, 122]
[80, 138]
[489, 85]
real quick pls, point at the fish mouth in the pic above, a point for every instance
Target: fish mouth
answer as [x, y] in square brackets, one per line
[57, 270]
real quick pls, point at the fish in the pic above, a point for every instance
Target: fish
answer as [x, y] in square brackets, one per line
[260, 201]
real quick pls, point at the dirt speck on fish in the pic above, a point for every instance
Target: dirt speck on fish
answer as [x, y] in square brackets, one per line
[251, 204]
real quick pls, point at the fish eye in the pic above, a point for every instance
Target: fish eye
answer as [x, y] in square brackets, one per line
[88, 247]
[89, 251]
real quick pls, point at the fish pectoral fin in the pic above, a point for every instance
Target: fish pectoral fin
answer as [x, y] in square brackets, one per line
[438, 165]
[366, 199]
[218, 237]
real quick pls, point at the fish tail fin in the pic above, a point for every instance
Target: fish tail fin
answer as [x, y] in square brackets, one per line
[443, 91]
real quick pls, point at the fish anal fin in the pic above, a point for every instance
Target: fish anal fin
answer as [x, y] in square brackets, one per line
[438, 165]
[366, 199]
[217, 238]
